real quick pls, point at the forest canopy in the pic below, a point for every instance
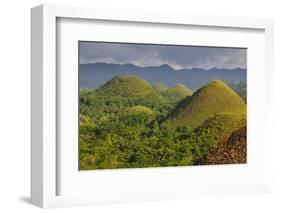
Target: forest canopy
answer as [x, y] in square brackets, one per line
[130, 123]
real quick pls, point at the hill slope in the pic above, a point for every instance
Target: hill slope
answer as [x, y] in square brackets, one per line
[134, 110]
[125, 86]
[230, 151]
[213, 98]
[176, 93]
[214, 130]
[180, 89]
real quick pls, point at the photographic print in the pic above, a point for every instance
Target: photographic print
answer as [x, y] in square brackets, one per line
[150, 105]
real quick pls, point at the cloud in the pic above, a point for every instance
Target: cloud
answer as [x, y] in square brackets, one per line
[154, 55]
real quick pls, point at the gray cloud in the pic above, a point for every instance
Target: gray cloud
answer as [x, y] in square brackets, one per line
[154, 55]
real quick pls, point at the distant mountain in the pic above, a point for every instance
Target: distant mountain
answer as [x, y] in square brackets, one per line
[215, 97]
[95, 75]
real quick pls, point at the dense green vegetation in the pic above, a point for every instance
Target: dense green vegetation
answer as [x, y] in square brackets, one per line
[122, 124]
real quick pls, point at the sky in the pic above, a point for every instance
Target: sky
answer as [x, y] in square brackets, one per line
[177, 57]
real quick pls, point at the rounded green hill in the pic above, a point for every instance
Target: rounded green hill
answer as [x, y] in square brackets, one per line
[125, 86]
[176, 93]
[133, 110]
[180, 89]
[213, 98]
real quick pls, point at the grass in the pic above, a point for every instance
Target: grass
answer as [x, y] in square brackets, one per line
[125, 86]
[213, 98]
[137, 110]
[215, 130]
[180, 89]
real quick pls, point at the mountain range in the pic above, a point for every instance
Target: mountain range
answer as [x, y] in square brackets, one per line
[96, 74]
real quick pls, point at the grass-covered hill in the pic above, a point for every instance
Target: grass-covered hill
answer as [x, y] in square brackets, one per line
[213, 98]
[175, 93]
[125, 86]
[130, 92]
[135, 110]
[179, 89]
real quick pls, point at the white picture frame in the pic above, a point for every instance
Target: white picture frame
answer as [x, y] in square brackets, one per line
[45, 169]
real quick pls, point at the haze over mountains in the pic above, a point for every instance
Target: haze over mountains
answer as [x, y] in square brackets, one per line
[96, 74]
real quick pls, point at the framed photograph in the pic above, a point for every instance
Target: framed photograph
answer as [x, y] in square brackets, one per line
[130, 106]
